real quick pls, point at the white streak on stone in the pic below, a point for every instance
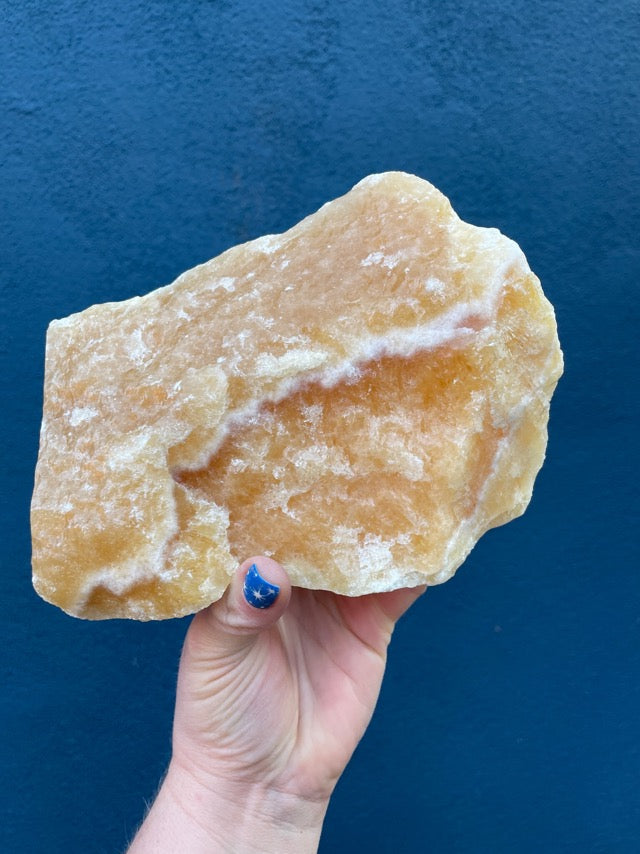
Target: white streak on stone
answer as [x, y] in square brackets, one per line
[228, 283]
[388, 261]
[268, 365]
[268, 244]
[435, 286]
[372, 258]
[374, 556]
[80, 414]
[136, 349]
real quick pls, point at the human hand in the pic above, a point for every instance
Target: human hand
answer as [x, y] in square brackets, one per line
[271, 704]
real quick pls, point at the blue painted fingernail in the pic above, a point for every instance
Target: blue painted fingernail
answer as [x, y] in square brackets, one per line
[257, 590]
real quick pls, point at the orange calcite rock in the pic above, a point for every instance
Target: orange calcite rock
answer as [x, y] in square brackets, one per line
[361, 397]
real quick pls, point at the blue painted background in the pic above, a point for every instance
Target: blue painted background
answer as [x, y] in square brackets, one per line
[140, 138]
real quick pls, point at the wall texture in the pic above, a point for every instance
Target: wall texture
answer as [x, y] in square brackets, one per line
[139, 138]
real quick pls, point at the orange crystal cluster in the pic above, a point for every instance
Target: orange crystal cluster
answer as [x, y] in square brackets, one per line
[361, 397]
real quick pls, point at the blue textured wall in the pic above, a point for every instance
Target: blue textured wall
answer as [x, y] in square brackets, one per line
[139, 138]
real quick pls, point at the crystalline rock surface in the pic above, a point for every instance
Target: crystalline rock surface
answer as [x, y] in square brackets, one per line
[361, 397]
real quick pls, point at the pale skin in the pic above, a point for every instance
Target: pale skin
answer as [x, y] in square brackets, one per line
[270, 705]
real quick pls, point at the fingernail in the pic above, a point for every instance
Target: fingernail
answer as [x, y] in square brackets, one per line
[259, 592]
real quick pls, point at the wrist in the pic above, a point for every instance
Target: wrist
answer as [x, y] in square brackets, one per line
[203, 814]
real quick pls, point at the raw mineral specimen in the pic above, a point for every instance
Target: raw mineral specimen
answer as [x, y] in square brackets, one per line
[361, 397]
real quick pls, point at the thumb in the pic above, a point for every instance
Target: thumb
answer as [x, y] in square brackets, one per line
[256, 598]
